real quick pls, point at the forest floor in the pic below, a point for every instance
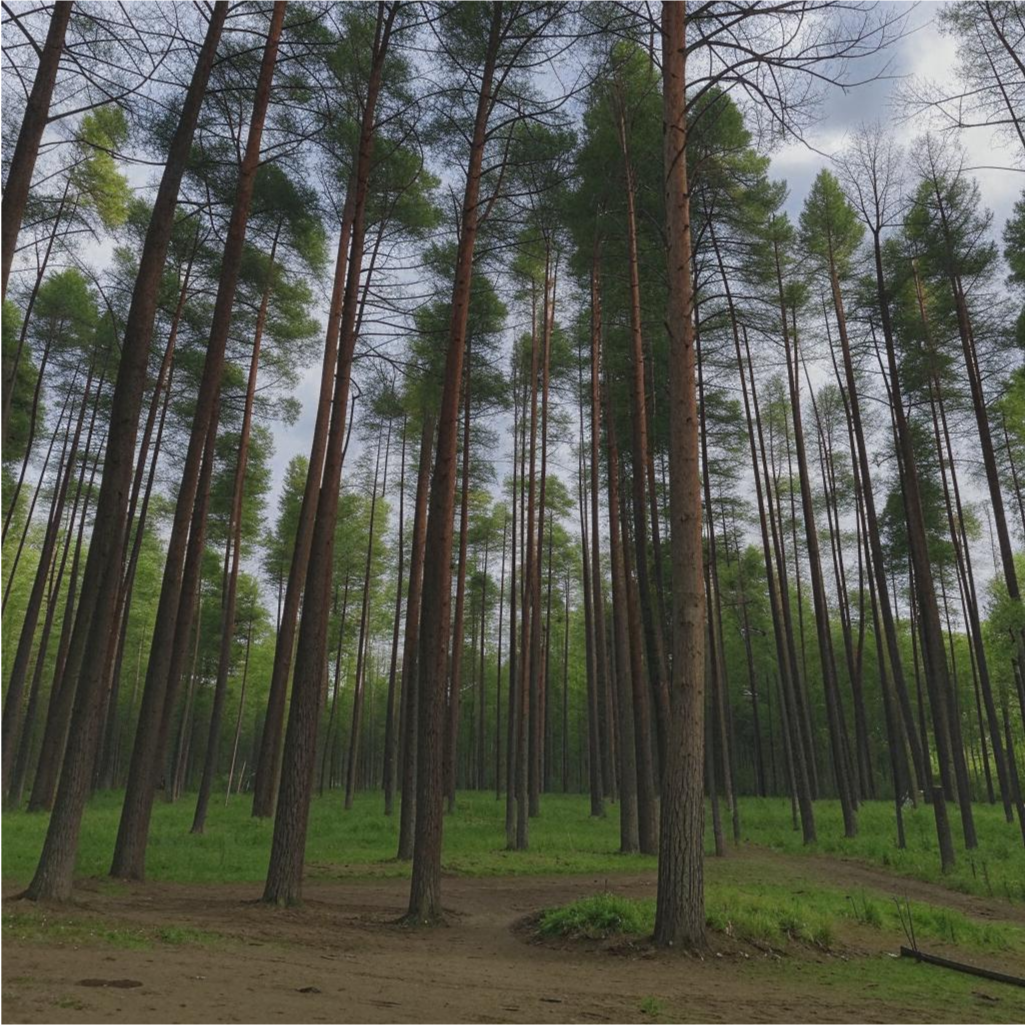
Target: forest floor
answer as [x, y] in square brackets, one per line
[799, 936]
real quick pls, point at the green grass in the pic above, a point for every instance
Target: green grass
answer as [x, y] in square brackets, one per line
[996, 868]
[777, 914]
[350, 844]
[907, 991]
[27, 927]
[563, 839]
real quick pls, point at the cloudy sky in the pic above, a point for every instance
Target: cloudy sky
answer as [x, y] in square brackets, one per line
[923, 53]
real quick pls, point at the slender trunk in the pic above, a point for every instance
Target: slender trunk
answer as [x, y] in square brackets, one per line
[90, 636]
[390, 726]
[458, 633]
[639, 444]
[593, 717]
[498, 671]
[425, 888]
[288, 847]
[410, 646]
[268, 766]
[364, 624]
[834, 709]
[937, 677]
[23, 652]
[30, 135]
[628, 740]
[160, 691]
[680, 902]
[241, 709]
[230, 595]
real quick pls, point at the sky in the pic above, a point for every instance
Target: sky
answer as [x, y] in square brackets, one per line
[923, 52]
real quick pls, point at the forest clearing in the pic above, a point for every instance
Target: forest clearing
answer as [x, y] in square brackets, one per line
[513, 510]
[796, 934]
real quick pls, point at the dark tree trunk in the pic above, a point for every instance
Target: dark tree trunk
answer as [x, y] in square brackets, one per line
[390, 726]
[410, 645]
[362, 643]
[90, 636]
[268, 766]
[834, 708]
[23, 652]
[458, 632]
[288, 847]
[30, 135]
[680, 902]
[232, 564]
[425, 889]
[636, 775]
[160, 691]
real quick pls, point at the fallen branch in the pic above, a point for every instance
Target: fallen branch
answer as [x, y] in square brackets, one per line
[960, 966]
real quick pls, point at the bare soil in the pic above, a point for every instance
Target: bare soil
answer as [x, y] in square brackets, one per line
[343, 958]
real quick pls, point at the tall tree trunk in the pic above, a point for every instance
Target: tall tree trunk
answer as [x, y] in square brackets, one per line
[268, 766]
[715, 658]
[680, 903]
[410, 645]
[288, 847]
[537, 657]
[498, 671]
[639, 444]
[90, 636]
[160, 691]
[425, 888]
[937, 678]
[230, 594]
[638, 795]
[595, 782]
[26, 638]
[511, 718]
[364, 624]
[458, 632]
[30, 135]
[390, 726]
[834, 708]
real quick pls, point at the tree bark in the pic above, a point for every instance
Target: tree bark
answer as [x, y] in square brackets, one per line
[30, 135]
[90, 636]
[680, 902]
[159, 691]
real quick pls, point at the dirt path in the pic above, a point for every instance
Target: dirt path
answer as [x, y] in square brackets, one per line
[341, 958]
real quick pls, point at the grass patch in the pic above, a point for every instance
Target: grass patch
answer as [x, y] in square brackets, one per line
[594, 918]
[25, 927]
[996, 868]
[900, 989]
[563, 839]
[777, 915]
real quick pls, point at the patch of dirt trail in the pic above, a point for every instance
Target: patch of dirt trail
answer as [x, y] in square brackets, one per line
[342, 958]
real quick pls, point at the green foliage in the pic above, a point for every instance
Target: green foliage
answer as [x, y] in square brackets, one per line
[597, 917]
[102, 133]
[25, 377]
[830, 227]
[1014, 254]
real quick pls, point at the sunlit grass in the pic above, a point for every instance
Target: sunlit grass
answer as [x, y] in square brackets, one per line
[778, 915]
